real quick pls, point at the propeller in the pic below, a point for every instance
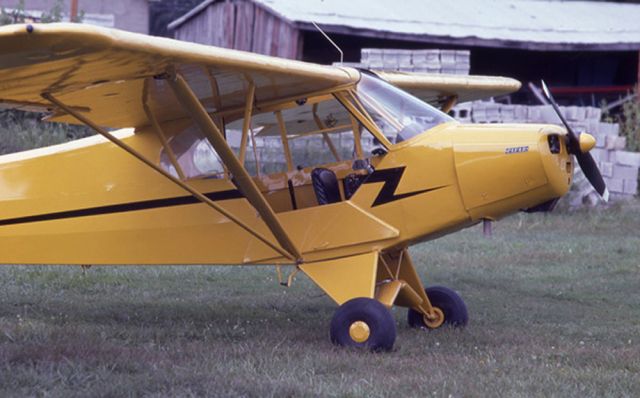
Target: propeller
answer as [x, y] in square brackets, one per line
[585, 160]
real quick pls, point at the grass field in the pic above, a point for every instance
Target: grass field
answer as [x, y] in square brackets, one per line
[554, 304]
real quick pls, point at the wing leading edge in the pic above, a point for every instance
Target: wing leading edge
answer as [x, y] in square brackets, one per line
[436, 88]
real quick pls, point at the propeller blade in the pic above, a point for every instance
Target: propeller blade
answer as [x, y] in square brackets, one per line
[585, 160]
[573, 137]
[591, 171]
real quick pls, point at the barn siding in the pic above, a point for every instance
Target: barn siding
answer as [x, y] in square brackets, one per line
[242, 25]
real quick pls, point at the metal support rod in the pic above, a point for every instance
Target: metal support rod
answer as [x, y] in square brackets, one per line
[215, 95]
[285, 140]
[342, 127]
[357, 137]
[255, 152]
[487, 229]
[363, 118]
[449, 103]
[199, 114]
[326, 36]
[164, 173]
[160, 132]
[426, 305]
[325, 136]
[246, 123]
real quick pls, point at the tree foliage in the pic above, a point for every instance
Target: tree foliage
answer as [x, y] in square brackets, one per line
[630, 124]
[20, 130]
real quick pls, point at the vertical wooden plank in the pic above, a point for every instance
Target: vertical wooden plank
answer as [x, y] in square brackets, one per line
[275, 35]
[244, 26]
[268, 34]
[209, 22]
[228, 30]
[258, 30]
[215, 22]
[283, 40]
[267, 27]
[299, 44]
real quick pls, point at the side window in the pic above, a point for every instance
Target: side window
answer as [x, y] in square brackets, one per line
[264, 151]
[195, 155]
[318, 131]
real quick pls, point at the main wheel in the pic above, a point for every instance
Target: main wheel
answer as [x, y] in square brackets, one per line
[448, 301]
[363, 322]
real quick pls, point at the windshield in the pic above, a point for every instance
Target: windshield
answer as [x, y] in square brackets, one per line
[398, 114]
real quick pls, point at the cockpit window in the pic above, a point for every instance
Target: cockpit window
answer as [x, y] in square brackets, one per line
[194, 154]
[398, 114]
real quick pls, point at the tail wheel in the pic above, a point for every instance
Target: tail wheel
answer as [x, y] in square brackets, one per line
[447, 302]
[363, 322]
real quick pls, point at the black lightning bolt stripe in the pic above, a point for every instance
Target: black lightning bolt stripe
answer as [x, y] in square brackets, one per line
[391, 178]
[123, 207]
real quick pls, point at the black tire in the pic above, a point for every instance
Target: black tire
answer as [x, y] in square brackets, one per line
[382, 326]
[451, 304]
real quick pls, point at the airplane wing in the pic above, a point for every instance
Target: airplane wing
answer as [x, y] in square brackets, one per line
[436, 88]
[104, 73]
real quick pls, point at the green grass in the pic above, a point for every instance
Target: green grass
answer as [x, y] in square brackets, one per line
[553, 300]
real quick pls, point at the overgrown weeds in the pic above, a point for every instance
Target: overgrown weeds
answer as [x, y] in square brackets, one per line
[20, 131]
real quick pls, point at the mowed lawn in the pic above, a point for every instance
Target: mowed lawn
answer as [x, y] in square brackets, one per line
[554, 305]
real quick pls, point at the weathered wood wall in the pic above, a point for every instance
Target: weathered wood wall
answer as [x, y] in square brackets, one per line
[242, 25]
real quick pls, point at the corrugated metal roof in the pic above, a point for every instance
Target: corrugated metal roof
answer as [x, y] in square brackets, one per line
[533, 24]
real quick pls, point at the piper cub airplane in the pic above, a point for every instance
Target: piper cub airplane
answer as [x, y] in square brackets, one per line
[167, 188]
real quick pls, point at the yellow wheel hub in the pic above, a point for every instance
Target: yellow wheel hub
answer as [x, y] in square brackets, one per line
[359, 331]
[436, 320]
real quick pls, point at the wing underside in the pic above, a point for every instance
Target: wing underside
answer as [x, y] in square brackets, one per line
[107, 74]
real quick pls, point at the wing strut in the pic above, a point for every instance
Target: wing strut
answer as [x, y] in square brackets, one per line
[201, 117]
[164, 173]
[449, 103]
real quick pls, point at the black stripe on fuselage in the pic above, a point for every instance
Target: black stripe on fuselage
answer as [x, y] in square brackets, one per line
[391, 178]
[124, 207]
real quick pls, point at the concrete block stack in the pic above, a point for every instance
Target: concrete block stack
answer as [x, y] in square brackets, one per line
[426, 61]
[462, 112]
[421, 61]
[618, 166]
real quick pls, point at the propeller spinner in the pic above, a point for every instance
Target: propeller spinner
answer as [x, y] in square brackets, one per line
[579, 146]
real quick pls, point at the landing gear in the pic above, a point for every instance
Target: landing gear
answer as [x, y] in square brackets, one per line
[363, 322]
[368, 285]
[445, 302]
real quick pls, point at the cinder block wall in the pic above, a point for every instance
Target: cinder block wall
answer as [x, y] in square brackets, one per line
[618, 166]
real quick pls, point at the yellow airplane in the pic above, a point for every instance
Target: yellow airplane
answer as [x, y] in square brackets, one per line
[160, 183]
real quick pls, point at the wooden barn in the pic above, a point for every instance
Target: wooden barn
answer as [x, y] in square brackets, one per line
[242, 25]
[587, 50]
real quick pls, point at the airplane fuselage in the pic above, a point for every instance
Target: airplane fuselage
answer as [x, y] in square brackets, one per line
[88, 202]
